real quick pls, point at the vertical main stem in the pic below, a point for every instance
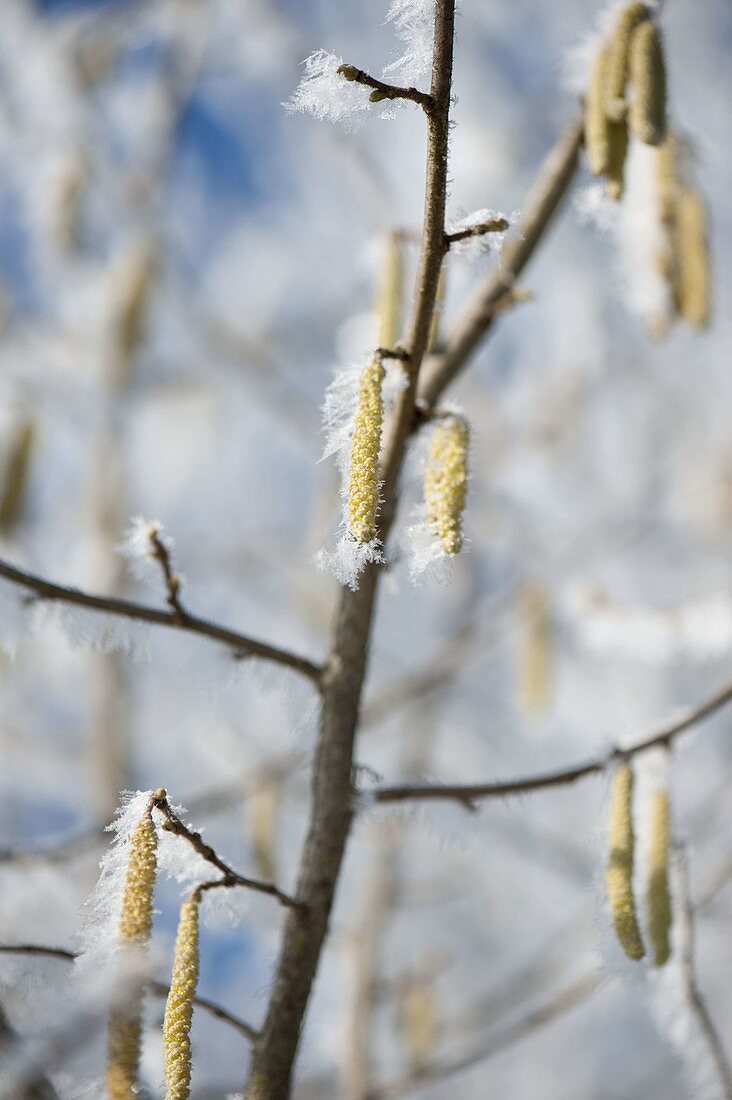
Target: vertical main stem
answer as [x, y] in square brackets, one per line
[331, 808]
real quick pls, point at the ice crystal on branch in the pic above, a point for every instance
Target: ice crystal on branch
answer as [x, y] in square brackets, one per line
[414, 22]
[325, 94]
[485, 231]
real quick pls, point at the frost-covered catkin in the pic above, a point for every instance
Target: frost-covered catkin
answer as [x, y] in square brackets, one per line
[692, 254]
[658, 896]
[618, 61]
[597, 137]
[179, 1005]
[534, 657]
[619, 871]
[418, 1023]
[647, 115]
[389, 302]
[15, 477]
[125, 1023]
[363, 463]
[446, 482]
[616, 157]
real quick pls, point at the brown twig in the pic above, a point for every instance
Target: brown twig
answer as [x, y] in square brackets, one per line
[470, 792]
[382, 91]
[230, 877]
[553, 181]
[493, 225]
[332, 792]
[160, 989]
[161, 554]
[241, 644]
[574, 994]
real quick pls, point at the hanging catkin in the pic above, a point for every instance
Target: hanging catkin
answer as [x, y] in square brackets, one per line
[617, 152]
[647, 115]
[692, 252]
[417, 1022]
[446, 482]
[363, 465]
[658, 896]
[534, 658]
[389, 303]
[179, 1005]
[618, 62]
[125, 1023]
[619, 872]
[597, 138]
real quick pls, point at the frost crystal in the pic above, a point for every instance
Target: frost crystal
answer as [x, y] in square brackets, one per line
[99, 937]
[414, 23]
[325, 94]
[493, 242]
[349, 557]
[138, 546]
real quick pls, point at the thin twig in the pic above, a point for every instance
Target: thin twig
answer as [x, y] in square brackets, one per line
[241, 644]
[382, 91]
[230, 877]
[552, 184]
[493, 225]
[161, 553]
[470, 792]
[573, 995]
[160, 989]
[697, 1004]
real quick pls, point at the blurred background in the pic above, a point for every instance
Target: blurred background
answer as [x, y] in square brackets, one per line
[182, 265]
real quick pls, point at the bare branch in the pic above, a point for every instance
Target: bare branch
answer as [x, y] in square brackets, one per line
[230, 877]
[576, 993]
[160, 989]
[382, 91]
[470, 792]
[331, 802]
[241, 644]
[553, 181]
[161, 553]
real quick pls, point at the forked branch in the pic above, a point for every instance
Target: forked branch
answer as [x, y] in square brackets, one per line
[241, 645]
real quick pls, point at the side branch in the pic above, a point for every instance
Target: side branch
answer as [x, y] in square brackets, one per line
[242, 645]
[160, 989]
[382, 91]
[467, 794]
[493, 225]
[553, 181]
[230, 877]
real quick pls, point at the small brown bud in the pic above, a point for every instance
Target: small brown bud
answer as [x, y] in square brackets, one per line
[348, 72]
[377, 96]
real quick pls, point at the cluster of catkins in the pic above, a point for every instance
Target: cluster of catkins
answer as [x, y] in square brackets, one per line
[626, 100]
[135, 927]
[619, 870]
[446, 471]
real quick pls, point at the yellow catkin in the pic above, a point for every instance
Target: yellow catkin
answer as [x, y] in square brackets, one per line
[363, 466]
[618, 61]
[692, 253]
[619, 871]
[15, 480]
[418, 1023]
[260, 815]
[597, 138]
[132, 285]
[389, 303]
[125, 1024]
[535, 651]
[446, 481]
[647, 115]
[658, 896]
[617, 152]
[179, 1005]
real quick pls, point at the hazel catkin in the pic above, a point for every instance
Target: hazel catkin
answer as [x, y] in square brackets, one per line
[619, 870]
